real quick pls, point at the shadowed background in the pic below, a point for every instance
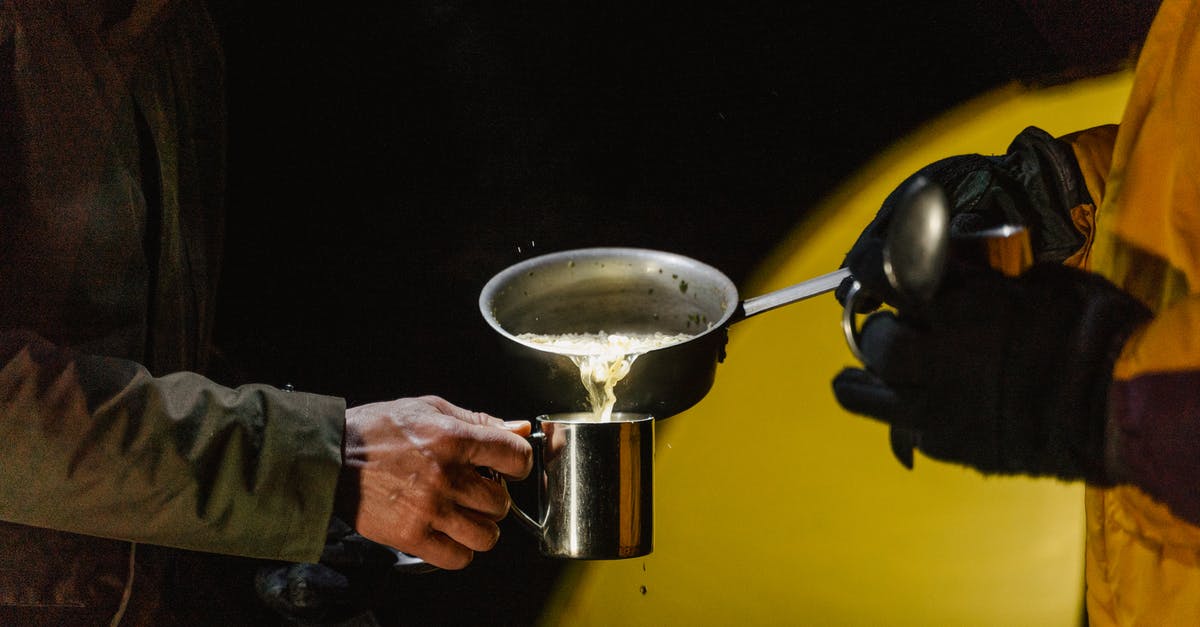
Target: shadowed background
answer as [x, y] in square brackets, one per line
[386, 160]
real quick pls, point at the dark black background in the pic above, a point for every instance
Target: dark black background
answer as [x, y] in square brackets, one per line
[387, 159]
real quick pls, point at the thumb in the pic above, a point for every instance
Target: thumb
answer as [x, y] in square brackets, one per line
[520, 427]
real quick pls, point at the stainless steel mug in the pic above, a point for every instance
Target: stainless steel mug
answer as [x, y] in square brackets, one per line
[596, 486]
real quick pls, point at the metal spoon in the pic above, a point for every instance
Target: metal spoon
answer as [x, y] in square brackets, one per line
[914, 251]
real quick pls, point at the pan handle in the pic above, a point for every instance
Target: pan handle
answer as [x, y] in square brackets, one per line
[798, 292]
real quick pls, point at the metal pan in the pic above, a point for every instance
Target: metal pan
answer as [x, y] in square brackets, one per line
[624, 290]
[634, 290]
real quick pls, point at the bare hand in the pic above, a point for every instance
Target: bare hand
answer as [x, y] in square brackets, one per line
[410, 478]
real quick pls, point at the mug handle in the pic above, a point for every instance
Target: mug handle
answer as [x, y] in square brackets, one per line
[534, 527]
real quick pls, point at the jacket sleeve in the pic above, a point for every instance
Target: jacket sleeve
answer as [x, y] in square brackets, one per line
[1154, 409]
[97, 446]
[1154, 398]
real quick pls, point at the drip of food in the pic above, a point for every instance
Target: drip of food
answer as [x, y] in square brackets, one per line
[603, 359]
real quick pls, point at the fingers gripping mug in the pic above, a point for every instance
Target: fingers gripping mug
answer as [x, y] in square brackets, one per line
[595, 486]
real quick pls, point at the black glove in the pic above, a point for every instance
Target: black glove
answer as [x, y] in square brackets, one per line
[353, 576]
[1008, 375]
[1035, 185]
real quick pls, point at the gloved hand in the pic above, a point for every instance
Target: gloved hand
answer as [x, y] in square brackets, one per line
[1007, 375]
[1035, 184]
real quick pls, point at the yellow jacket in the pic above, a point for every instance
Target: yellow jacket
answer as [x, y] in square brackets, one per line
[1143, 557]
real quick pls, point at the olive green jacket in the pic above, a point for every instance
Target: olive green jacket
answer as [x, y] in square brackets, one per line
[111, 182]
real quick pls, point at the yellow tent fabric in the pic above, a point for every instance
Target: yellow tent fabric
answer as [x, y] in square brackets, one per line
[773, 506]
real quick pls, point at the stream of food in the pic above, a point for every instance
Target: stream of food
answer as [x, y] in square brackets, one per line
[603, 359]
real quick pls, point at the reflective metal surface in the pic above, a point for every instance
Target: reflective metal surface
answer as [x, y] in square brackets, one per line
[596, 487]
[616, 290]
[849, 324]
[795, 293]
[1004, 248]
[914, 253]
[624, 290]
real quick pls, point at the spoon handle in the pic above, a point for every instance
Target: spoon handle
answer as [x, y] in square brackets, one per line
[794, 293]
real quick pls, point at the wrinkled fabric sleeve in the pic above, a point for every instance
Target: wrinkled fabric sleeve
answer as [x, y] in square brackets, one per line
[1154, 398]
[97, 446]
[1154, 409]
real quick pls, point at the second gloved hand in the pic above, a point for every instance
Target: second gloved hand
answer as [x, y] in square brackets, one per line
[1007, 375]
[1035, 184]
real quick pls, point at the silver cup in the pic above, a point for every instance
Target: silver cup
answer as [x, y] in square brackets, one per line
[596, 486]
